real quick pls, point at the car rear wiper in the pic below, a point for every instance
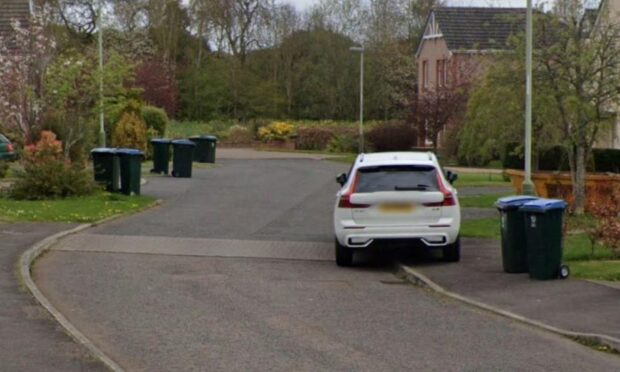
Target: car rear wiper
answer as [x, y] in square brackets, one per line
[419, 187]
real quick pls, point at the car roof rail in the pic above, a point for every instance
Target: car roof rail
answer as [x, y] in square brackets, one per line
[360, 158]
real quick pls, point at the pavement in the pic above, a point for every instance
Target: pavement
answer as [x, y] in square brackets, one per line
[235, 271]
[572, 304]
[30, 340]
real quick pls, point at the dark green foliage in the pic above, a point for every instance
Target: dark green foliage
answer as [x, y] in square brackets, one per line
[51, 180]
[313, 138]
[344, 142]
[512, 158]
[554, 158]
[4, 168]
[156, 119]
[393, 136]
[606, 160]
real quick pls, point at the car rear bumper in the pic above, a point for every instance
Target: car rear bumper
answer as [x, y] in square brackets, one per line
[8, 156]
[439, 234]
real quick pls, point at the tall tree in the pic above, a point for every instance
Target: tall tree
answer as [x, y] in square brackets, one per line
[582, 68]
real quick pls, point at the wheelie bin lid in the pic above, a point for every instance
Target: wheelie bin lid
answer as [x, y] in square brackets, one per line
[183, 143]
[165, 141]
[129, 152]
[513, 202]
[543, 205]
[103, 150]
[210, 138]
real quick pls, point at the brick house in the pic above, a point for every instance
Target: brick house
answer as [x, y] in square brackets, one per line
[458, 45]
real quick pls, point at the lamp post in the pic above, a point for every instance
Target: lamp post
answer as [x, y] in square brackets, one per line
[528, 185]
[360, 50]
[100, 50]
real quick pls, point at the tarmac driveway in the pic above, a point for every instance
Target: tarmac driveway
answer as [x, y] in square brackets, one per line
[235, 272]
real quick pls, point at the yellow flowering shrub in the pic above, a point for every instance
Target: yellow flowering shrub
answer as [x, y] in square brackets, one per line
[276, 131]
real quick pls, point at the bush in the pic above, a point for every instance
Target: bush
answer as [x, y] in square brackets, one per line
[277, 131]
[313, 138]
[512, 158]
[344, 141]
[156, 119]
[4, 168]
[604, 205]
[393, 136]
[130, 132]
[606, 160]
[554, 158]
[240, 135]
[47, 175]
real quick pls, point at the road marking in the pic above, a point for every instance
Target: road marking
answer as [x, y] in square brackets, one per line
[313, 251]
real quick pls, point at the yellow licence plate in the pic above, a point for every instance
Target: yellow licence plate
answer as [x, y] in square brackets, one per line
[396, 208]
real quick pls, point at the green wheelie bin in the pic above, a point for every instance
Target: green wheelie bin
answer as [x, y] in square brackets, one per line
[514, 253]
[106, 168]
[161, 155]
[182, 157]
[205, 148]
[543, 236]
[131, 170]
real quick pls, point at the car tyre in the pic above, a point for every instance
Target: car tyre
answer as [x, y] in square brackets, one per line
[452, 252]
[344, 255]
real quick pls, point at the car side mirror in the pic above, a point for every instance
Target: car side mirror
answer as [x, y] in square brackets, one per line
[342, 179]
[452, 177]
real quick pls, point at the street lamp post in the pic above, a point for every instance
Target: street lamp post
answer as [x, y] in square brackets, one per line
[528, 185]
[360, 50]
[100, 50]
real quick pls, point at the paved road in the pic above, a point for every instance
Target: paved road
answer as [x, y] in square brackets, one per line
[30, 340]
[234, 272]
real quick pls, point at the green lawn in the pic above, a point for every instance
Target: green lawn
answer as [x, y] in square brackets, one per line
[481, 228]
[480, 179]
[599, 270]
[85, 209]
[481, 201]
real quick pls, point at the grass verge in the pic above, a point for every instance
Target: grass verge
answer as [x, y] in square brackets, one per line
[83, 210]
[480, 180]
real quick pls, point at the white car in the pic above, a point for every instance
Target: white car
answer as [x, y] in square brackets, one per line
[396, 196]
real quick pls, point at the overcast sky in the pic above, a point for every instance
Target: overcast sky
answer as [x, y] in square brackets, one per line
[303, 4]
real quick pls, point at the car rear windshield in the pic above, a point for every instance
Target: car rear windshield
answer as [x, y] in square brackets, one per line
[397, 178]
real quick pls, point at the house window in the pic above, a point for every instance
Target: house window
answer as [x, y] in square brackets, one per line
[441, 65]
[425, 74]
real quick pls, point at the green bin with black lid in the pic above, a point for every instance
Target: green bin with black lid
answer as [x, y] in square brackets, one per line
[106, 168]
[130, 170]
[182, 157]
[205, 148]
[544, 220]
[512, 226]
[161, 155]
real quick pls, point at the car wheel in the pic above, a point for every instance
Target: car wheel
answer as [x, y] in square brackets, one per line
[452, 252]
[344, 255]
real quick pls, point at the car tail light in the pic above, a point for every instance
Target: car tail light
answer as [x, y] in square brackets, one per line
[448, 197]
[9, 147]
[345, 197]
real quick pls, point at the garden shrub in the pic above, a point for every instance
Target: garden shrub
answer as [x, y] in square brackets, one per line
[606, 160]
[130, 132]
[4, 168]
[240, 135]
[313, 138]
[276, 131]
[604, 205]
[512, 158]
[344, 141]
[47, 175]
[393, 136]
[156, 119]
